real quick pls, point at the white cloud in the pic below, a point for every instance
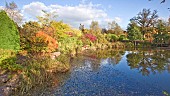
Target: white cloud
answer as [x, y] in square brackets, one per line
[163, 18]
[118, 19]
[1, 8]
[34, 9]
[108, 20]
[74, 15]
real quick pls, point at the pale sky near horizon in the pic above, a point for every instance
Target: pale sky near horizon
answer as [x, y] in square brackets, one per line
[75, 12]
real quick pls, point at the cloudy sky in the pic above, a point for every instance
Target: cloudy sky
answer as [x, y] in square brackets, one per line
[75, 12]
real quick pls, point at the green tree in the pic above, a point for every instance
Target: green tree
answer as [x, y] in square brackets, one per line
[134, 32]
[145, 19]
[162, 35]
[9, 35]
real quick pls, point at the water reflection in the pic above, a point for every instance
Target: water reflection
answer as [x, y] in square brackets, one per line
[91, 60]
[147, 62]
[107, 73]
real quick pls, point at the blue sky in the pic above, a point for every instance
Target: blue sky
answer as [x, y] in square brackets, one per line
[75, 12]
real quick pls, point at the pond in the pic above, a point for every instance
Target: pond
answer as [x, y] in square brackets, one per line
[117, 72]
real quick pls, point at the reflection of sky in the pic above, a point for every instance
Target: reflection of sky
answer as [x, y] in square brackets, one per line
[85, 67]
[105, 62]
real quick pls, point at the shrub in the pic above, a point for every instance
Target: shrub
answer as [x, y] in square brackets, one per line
[63, 30]
[4, 54]
[45, 41]
[8, 60]
[27, 34]
[70, 44]
[101, 38]
[10, 64]
[60, 29]
[129, 44]
[122, 37]
[91, 37]
[32, 39]
[9, 35]
[118, 45]
[112, 37]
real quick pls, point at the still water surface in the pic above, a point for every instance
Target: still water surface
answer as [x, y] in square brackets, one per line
[113, 73]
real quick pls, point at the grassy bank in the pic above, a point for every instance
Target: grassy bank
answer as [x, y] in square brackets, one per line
[24, 72]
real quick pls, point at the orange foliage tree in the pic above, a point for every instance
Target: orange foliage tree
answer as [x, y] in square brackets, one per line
[52, 44]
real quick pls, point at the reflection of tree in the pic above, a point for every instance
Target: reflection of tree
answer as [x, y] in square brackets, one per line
[111, 61]
[116, 56]
[159, 61]
[95, 65]
[148, 61]
[113, 57]
[138, 61]
[133, 59]
[168, 68]
[94, 58]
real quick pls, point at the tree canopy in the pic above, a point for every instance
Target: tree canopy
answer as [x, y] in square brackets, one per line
[134, 31]
[162, 35]
[145, 19]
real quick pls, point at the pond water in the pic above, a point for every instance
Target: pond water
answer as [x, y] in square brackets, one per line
[114, 73]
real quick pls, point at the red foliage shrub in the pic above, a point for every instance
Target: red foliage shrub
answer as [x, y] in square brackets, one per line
[91, 37]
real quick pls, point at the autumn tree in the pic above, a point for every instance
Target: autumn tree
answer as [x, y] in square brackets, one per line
[145, 19]
[12, 10]
[47, 18]
[97, 31]
[114, 28]
[46, 22]
[27, 34]
[33, 38]
[44, 42]
[95, 26]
